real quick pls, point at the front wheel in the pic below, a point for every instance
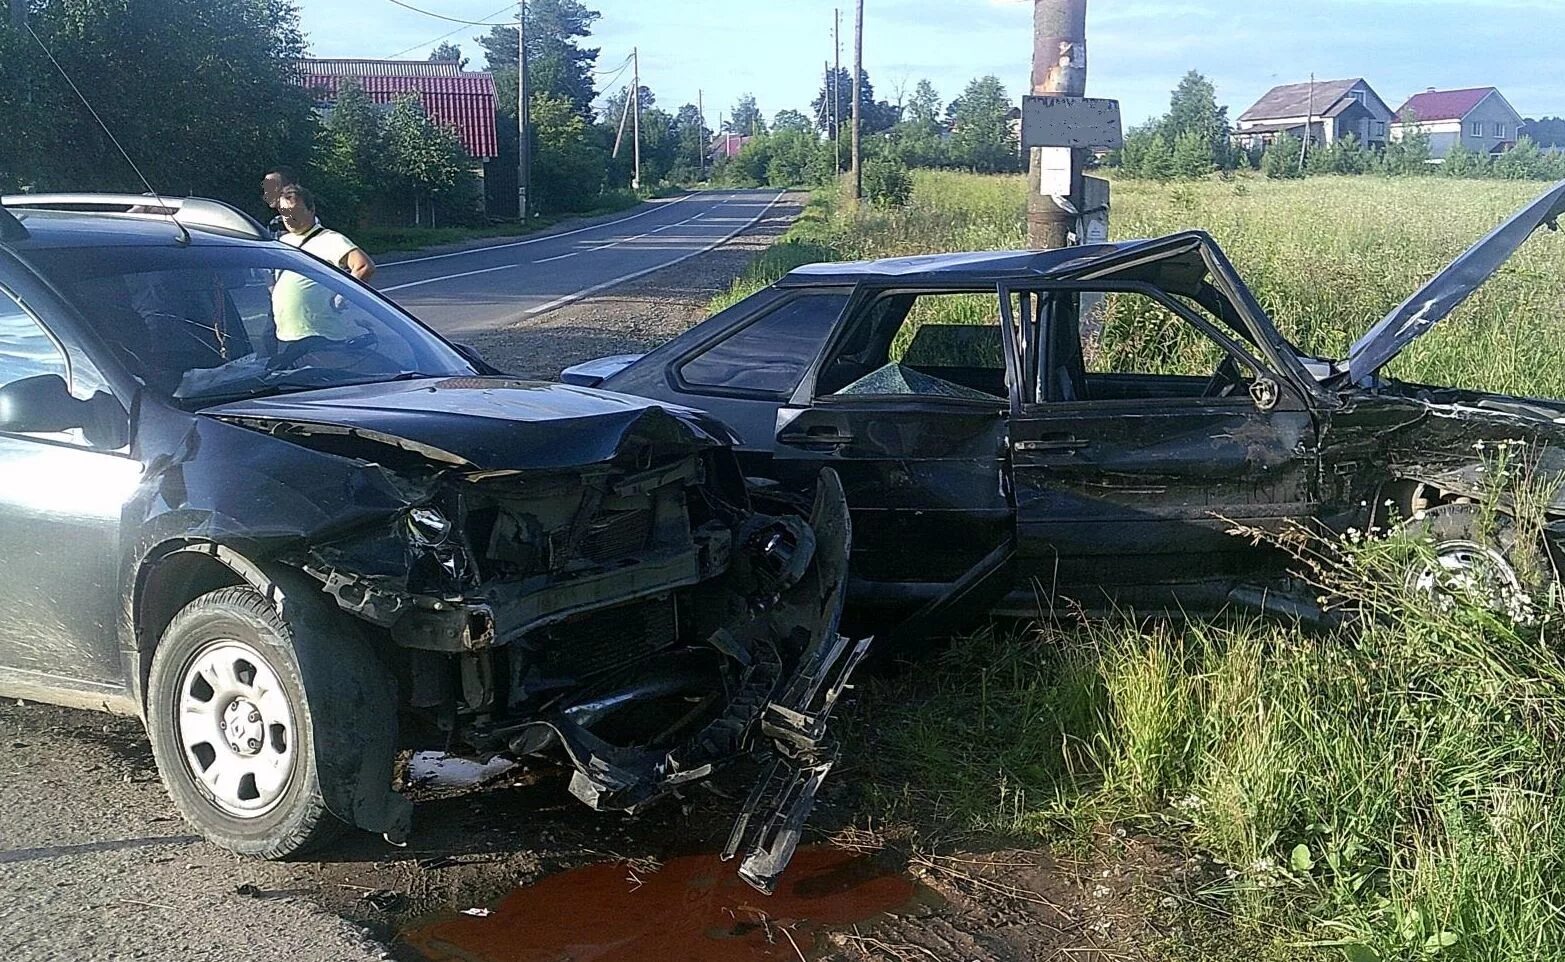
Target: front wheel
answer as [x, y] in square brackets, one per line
[1476, 553]
[232, 728]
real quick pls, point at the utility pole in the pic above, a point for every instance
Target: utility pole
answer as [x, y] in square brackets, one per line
[635, 54]
[524, 147]
[836, 89]
[858, 99]
[1059, 68]
[701, 144]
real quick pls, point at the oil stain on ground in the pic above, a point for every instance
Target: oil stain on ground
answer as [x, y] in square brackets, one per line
[692, 909]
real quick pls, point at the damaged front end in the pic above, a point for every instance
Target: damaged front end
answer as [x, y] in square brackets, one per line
[633, 613]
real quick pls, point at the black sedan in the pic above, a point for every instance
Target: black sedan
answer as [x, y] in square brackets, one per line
[294, 556]
[995, 451]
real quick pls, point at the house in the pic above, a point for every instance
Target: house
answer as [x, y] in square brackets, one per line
[1479, 118]
[1324, 110]
[728, 145]
[461, 100]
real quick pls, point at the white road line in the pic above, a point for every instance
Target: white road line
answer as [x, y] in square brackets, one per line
[588, 292]
[448, 277]
[616, 243]
[538, 240]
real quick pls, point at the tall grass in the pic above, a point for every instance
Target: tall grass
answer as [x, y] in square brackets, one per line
[1389, 790]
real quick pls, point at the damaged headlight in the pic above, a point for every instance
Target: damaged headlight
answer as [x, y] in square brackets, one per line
[427, 527]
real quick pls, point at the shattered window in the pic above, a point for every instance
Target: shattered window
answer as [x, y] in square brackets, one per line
[203, 324]
[770, 355]
[944, 344]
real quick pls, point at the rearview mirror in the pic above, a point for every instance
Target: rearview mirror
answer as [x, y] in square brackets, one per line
[40, 405]
[44, 405]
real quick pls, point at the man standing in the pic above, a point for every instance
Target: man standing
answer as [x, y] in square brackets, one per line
[273, 183]
[303, 308]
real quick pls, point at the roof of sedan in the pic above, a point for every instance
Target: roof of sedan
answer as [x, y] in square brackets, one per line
[979, 267]
[54, 229]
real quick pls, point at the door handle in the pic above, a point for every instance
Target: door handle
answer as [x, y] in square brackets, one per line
[1063, 443]
[819, 436]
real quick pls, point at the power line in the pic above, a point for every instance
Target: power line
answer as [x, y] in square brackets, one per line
[621, 68]
[427, 43]
[441, 16]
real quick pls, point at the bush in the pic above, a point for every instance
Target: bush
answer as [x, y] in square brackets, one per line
[1281, 160]
[887, 183]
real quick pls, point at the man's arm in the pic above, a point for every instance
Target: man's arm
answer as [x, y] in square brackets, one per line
[359, 265]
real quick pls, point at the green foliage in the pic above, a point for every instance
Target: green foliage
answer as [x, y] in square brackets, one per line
[1408, 157]
[1282, 158]
[746, 118]
[1464, 162]
[981, 135]
[197, 91]
[1192, 157]
[924, 107]
[449, 52]
[568, 161]
[791, 120]
[887, 182]
[557, 65]
[837, 86]
[1526, 161]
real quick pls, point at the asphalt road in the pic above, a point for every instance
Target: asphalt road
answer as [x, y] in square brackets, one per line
[479, 290]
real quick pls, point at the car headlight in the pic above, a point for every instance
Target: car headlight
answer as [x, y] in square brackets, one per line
[428, 527]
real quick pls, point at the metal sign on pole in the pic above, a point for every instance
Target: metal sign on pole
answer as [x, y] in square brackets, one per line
[1059, 69]
[1079, 122]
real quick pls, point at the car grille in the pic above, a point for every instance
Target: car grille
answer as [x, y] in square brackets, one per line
[607, 639]
[609, 538]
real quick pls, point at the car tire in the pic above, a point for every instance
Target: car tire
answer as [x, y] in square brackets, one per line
[1464, 540]
[232, 728]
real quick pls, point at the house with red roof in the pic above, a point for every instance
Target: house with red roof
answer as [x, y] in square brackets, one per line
[461, 100]
[1479, 118]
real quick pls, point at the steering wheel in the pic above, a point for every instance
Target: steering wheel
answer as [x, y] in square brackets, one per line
[1225, 380]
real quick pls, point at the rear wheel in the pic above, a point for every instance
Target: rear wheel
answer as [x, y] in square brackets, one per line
[232, 728]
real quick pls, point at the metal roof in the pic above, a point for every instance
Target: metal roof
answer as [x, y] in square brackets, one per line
[1443, 104]
[462, 101]
[1293, 100]
[978, 268]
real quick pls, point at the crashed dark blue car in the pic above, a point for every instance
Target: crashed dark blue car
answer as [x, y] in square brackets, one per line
[295, 558]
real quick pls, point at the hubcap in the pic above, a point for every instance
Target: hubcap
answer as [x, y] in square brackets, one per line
[1474, 566]
[236, 728]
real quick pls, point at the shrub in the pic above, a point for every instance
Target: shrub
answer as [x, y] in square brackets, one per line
[887, 183]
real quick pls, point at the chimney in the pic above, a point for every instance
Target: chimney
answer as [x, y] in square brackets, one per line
[1429, 90]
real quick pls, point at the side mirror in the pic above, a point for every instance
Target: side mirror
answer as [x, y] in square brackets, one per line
[44, 405]
[41, 405]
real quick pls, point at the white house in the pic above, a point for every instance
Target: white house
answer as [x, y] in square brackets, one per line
[1324, 110]
[1479, 118]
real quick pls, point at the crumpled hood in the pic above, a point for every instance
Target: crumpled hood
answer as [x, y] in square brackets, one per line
[487, 424]
[1450, 288]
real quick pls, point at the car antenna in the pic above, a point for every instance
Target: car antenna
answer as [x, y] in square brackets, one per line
[184, 235]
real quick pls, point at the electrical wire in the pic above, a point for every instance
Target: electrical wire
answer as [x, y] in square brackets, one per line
[441, 16]
[617, 74]
[429, 43]
[625, 63]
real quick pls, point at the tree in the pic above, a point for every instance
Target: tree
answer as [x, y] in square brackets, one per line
[1545, 131]
[346, 165]
[1464, 162]
[203, 106]
[981, 135]
[746, 117]
[1408, 156]
[1192, 156]
[451, 53]
[791, 120]
[556, 64]
[924, 108]
[423, 157]
[1281, 160]
[877, 115]
[1525, 161]
[1193, 109]
[568, 162]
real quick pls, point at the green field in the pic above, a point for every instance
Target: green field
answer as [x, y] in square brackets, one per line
[1388, 792]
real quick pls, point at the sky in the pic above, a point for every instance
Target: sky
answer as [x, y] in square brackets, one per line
[1137, 49]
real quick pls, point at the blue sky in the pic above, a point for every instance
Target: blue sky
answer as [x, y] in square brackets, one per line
[1138, 49]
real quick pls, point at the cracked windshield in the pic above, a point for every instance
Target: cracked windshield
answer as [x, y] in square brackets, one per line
[825, 481]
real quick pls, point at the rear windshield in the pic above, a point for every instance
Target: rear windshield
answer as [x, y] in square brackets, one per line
[205, 324]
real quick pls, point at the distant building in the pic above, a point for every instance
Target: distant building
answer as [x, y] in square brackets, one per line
[728, 145]
[461, 100]
[1479, 118]
[1322, 111]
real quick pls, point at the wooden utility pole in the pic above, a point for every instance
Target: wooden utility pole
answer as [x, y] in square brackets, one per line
[858, 99]
[1059, 68]
[701, 144]
[635, 93]
[524, 147]
[836, 88]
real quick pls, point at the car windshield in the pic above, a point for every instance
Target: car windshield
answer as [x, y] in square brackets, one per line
[201, 324]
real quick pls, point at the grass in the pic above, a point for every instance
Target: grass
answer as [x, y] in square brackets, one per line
[1391, 790]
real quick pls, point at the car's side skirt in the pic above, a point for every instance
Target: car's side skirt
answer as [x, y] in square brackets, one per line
[67, 692]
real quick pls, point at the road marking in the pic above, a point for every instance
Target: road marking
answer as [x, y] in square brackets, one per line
[448, 277]
[588, 292]
[616, 243]
[539, 240]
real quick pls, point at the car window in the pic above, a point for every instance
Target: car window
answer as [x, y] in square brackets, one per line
[201, 324]
[944, 344]
[26, 350]
[771, 354]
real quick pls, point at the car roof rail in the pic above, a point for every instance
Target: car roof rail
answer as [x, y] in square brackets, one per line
[11, 229]
[197, 212]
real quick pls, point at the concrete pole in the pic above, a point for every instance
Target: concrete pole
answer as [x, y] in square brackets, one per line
[635, 53]
[836, 90]
[701, 143]
[858, 97]
[524, 147]
[1059, 68]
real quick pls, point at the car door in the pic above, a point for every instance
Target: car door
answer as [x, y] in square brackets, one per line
[1130, 473]
[60, 517]
[908, 406]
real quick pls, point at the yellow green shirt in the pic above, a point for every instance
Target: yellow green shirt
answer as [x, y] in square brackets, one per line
[301, 307]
